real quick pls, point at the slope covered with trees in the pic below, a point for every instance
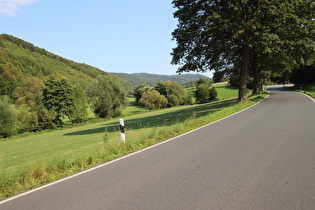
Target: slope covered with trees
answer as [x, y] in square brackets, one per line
[39, 89]
[20, 59]
[152, 79]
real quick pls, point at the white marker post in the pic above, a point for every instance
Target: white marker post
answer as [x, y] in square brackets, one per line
[122, 130]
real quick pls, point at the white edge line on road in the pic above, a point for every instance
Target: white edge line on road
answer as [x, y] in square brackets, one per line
[308, 96]
[123, 157]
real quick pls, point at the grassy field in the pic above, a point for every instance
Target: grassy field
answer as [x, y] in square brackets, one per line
[133, 108]
[31, 161]
[225, 91]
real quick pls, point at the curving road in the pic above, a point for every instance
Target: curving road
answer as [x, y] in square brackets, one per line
[262, 158]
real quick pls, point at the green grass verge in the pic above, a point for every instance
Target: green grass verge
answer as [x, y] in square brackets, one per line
[133, 108]
[309, 90]
[31, 161]
[306, 89]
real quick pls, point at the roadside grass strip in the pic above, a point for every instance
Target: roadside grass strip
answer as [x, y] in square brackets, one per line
[32, 161]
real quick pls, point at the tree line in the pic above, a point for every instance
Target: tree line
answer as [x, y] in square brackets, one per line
[243, 39]
[42, 104]
[151, 79]
[170, 93]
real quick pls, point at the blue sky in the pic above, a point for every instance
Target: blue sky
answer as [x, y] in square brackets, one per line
[126, 36]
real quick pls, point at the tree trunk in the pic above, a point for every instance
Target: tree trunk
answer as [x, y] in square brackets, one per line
[243, 75]
[257, 83]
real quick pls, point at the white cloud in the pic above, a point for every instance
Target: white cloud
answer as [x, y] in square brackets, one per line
[9, 7]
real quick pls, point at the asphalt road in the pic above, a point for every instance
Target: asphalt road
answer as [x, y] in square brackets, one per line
[262, 158]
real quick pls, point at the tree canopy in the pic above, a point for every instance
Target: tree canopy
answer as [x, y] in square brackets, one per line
[140, 89]
[107, 95]
[173, 92]
[58, 98]
[243, 36]
[152, 99]
[80, 104]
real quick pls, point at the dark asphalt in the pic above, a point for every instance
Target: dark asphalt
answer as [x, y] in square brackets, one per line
[262, 158]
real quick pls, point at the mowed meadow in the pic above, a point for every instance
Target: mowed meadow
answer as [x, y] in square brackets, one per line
[31, 161]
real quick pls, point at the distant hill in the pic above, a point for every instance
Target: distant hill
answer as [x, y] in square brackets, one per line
[152, 79]
[20, 59]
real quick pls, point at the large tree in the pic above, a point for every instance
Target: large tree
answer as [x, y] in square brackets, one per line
[152, 99]
[284, 39]
[107, 95]
[238, 34]
[205, 93]
[58, 98]
[78, 112]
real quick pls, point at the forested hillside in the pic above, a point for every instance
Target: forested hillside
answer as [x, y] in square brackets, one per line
[20, 59]
[152, 79]
[38, 89]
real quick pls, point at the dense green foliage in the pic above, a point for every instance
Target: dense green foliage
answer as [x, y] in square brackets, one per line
[202, 93]
[45, 120]
[20, 59]
[173, 92]
[107, 96]
[244, 37]
[188, 98]
[30, 93]
[28, 121]
[173, 95]
[43, 88]
[80, 104]
[152, 99]
[58, 98]
[213, 94]
[140, 89]
[205, 93]
[204, 81]
[7, 119]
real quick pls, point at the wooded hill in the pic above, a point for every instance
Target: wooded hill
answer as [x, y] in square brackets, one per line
[152, 79]
[20, 59]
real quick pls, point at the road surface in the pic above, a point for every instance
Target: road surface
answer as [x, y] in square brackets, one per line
[262, 158]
